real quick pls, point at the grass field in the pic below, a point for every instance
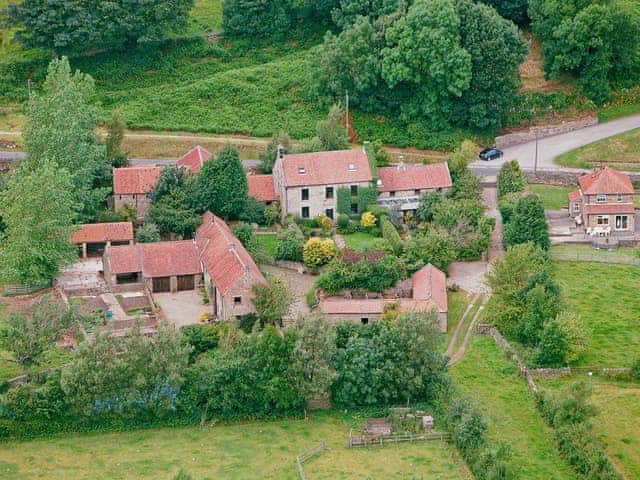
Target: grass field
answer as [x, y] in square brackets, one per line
[268, 243]
[616, 422]
[554, 197]
[264, 450]
[359, 241]
[620, 151]
[488, 377]
[458, 302]
[605, 296]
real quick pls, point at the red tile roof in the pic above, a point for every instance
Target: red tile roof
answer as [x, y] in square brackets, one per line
[165, 259]
[103, 232]
[261, 187]
[574, 196]
[135, 180]
[123, 259]
[223, 256]
[608, 208]
[195, 158]
[429, 283]
[414, 177]
[605, 181]
[326, 168]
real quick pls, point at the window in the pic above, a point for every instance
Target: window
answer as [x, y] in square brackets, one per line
[237, 301]
[352, 167]
[364, 320]
[622, 222]
[305, 194]
[601, 198]
[328, 192]
[416, 192]
[602, 220]
[576, 207]
[329, 213]
[354, 208]
[354, 190]
[619, 198]
[392, 194]
[305, 212]
[301, 170]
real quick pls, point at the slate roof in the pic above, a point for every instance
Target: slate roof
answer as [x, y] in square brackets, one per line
[414, 177]
[326, 168]
[135, 180]
[103, 232]
[261, 187]
[605, 181]
[195, 158]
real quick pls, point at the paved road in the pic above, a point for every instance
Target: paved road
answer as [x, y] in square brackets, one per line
[549, 148]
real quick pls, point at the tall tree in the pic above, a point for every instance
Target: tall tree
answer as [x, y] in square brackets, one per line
[272, 300]
[38, 208]
[60, 127]
[83, 24]
[268, 156]
[115, 136]
[257, 19]
[222, 185]
[527, 224]
[331, 132]
[514, 10]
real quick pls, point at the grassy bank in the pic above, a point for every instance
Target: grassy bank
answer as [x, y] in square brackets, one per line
[620, 151]
[238, 451]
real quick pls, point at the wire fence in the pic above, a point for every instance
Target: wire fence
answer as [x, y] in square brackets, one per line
[596, 256]
[373, 440]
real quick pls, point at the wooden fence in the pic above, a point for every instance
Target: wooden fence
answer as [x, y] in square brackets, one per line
[24, 289]
[373, 440]
[599, 257]
[307, 455]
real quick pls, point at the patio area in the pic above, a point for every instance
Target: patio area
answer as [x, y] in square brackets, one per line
[181, 308]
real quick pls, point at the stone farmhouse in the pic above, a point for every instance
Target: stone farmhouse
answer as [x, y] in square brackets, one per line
[132, 185]
[427, 291]
[215, 259]
[307, 184]
[402, 186]
[603, 204]
[94, 238]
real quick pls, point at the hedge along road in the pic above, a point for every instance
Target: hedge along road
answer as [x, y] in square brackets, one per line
[549, 148]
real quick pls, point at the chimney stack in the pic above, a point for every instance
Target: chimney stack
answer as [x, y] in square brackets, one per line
[280, 150]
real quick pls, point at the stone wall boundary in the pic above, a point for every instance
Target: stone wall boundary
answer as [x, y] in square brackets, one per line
[543, 131]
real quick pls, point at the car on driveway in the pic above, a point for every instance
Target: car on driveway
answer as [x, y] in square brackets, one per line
[488, 154]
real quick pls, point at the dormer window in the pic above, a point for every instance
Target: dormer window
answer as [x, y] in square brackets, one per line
[601, 198]
[302, 170]
[352, 167]
[619, 198]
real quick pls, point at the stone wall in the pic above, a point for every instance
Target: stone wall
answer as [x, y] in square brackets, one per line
[563, 177]
[510, 139]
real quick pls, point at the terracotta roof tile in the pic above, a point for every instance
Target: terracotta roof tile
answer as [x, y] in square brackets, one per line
[223, 256]
[326, 168]
[103, 232]
[574, 196]
[194, 159]
[609, 208]
[165, 259]
[414, 177]
[123, 259]
[135, 180]
[429, 283]
[605, 181]
[261, 187]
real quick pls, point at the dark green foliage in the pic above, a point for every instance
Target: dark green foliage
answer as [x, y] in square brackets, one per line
[390, 234]
[272, 300]
[254, 212]
[428, 203]
[268, 157]
[448, 213]
[363, 275]
[83, 25]
[343, 221]
[221, 186]
[514, 10]
[172, 177]
[331, 133]
[378, 156]
[244, 233]
[367, 348]
[113, 142]
[148, 233]
[466, 186]
[598, 42]
[554, 346]
[538, 303]
[527, 224]
[200, 339]
[510, 179]
[344, 200]
[366, 196]
[435, 247]
[635, 369]
[290, 243]
[348, 11]
[174, 215]
[257, 19]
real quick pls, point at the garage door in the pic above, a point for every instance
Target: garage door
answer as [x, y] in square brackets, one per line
[161, 284]
[185, 282]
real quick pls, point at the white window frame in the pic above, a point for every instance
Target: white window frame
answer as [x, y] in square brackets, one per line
[601, 198]
[620, 217]
[602, 220]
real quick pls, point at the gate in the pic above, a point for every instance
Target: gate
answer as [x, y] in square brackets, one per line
[161, 284]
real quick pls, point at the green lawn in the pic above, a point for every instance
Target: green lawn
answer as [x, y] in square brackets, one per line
[605, 296]
[264, 450]
[486, 376]
[359, 241]
[620, 151]
[554, 197]
[268, 242]
[616, 422]
[458, 302]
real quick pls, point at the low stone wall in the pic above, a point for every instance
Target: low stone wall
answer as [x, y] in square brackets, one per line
[510, 139]
[563, 177]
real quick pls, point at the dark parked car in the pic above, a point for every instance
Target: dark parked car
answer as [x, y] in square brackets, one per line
[490, 154]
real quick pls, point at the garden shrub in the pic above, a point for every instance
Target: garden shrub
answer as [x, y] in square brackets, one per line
[290, 243]
[510, 179]
[318, 252]
[254, 212]
[344, 200]
[527, 223]
[391, 235]
[271, 214]
[635, 369]
[148, 233]
[435, 247]
[343, 222]
[201, 339]
[368, 220]
[367, 196]
[373, 276]
[244, 233]
[554, 346]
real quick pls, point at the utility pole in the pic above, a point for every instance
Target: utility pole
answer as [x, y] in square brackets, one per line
[346, 120]
[535, 161]
[29, 86]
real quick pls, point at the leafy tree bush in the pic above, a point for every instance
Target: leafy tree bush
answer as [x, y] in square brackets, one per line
[324, 222]
[375, 275]
[348, 11]
[317, 252]
[435, 247]
[527, 224]
[148, 233]
[391, 235]
[244, 233]
[343, 221]
[510, 179]
[173, 214]
[256, 19]
[428, 203]
[514, 10]
[577, 332]
[200, 339]
[171, 178]
[449, 212]
[128, 213]
[466, 187]
[331, 132]
[554, 346]
[367, 197]
[290, 243]
[115, 136]
[271, 214]
[635, 369]
[368, 220]
[268, 156]
[84, 25]
[254, 212]
[272, 300]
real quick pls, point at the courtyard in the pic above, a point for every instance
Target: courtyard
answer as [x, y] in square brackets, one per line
[181, 308]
